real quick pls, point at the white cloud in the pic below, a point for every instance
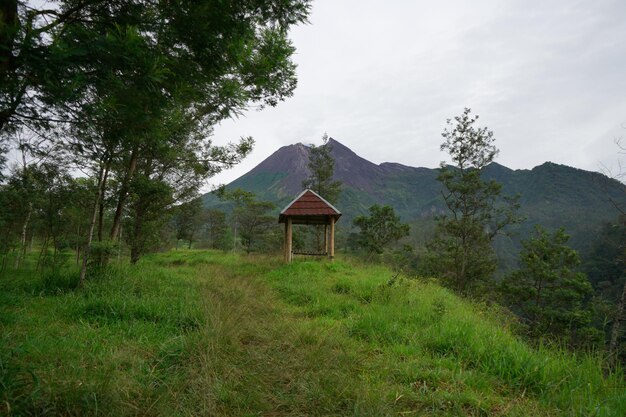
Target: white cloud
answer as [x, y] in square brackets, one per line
[382, 78]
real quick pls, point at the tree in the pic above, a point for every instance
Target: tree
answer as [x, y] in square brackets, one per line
[235, 48]
[188, 220]
[26, 190]
[321, 171]
[619, 256]
[379, 229]
[116, 81]
[239, 198]
[254, 221]
[605, 262]
[322, 168]
[215, 229]
[151, 209]
[39, 201]
[461, 252]
[547, 291]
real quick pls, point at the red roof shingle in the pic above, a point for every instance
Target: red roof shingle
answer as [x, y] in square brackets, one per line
[309, 203]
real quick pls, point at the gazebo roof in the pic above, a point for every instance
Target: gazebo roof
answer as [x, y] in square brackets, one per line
[309, 208]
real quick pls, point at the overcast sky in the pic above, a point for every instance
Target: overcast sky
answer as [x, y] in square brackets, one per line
[548, 77]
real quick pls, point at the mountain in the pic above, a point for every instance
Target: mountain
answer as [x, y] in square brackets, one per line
[279, 178]
[552, 195]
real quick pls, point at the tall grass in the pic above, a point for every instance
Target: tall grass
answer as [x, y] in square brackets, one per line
[437, 336]
[205, 333]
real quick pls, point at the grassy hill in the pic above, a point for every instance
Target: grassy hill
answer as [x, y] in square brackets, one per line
[204, 333]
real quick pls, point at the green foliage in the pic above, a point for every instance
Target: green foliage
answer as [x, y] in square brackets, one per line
[238, 196]
[41, 200]
[219, 55]
[251, 218]
[101, 251]
[130, 91]
[187, 220]
[215, 229]
[254, 221]
[150, 203]
[322, 168]
[605, 264]
[461, 252]
[547, 291]
[381, 228]
[552, 195]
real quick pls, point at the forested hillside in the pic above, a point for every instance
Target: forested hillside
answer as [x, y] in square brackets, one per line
[551, 195]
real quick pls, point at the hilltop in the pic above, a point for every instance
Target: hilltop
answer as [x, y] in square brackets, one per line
[207, 333]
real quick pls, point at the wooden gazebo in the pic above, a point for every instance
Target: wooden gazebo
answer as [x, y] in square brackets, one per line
[310, 208]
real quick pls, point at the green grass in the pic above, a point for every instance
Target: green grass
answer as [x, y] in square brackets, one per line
[203, 333]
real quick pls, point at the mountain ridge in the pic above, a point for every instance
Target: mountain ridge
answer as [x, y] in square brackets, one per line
[553, 195]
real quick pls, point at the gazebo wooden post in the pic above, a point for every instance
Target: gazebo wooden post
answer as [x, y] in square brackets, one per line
[288, 239]
[309, 208]
[332, 238]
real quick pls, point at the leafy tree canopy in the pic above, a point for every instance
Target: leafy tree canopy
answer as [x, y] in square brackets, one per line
[218, 56]
[380, 228]
[254, 221]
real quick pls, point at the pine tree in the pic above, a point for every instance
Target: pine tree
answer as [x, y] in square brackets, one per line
[461, 252]
[547, 291]
[322, 168]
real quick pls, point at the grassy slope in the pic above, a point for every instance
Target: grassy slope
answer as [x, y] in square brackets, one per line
[197, 333]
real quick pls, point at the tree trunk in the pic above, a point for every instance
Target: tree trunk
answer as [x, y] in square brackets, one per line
[44, 249]
[4, 262]
[135, 246]
[92, 225]
[123, 194]
[141, 208]
[78, 246]
[615, 330]
[119, 246]
[461, 279]
[54, 251]
[190, 239]
[100, 220]
[101, 208]
[22, 252]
